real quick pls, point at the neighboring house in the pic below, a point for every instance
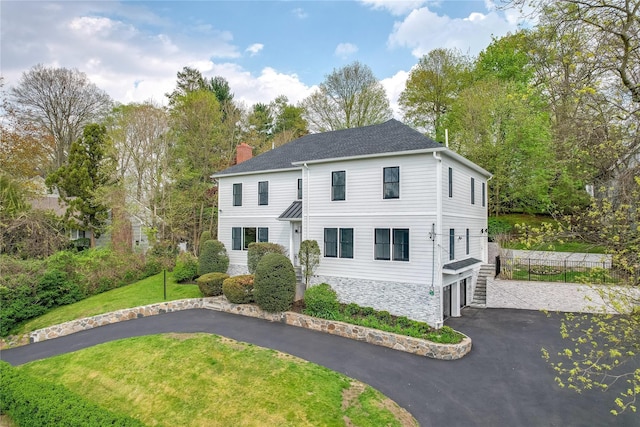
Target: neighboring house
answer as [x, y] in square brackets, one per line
[400, 219]
[139, 239]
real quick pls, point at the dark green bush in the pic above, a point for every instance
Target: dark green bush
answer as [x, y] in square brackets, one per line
[32, 402]
[275, 283]
[213, 258]
[204, 236]
[259, 249]
[210, 284]
[239, 289]
[321, 301]
[186, 268]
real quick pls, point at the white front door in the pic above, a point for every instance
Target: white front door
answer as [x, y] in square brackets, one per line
[296, 239]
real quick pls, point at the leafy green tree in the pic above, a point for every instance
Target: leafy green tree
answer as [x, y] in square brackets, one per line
[506, 132]
[213, 258]
[603, 348]
[349, 97]
[90, 171]
[432, 86]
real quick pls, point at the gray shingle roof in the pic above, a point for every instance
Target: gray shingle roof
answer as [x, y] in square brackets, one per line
[459, 266]
[388, 137]
[294, 211]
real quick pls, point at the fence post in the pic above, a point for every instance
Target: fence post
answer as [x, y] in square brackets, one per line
[565, 271]
[529, 259]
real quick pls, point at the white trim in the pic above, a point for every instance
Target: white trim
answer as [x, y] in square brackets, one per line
[228, 175]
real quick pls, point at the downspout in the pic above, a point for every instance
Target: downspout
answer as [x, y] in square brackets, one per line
[305, 204]
[438, 234]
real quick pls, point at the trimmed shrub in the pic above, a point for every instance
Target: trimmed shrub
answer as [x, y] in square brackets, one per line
[309, 256]
[210, 284]
[32, 402]
[239, 289]
[321, 301]
[275, 283]
[259, 249]
[186, 268]
[213, 258]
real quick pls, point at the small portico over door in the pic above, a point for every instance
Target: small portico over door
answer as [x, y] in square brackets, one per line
[293, 214]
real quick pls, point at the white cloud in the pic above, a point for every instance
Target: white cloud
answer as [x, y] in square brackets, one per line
[300, 13]
[394, 86]
[423, 30]
[396, 7]
[343, 50]
[254, 48]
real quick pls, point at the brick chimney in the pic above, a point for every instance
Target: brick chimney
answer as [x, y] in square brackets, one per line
[243, 153]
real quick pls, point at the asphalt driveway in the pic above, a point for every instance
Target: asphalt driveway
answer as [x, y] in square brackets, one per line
[502, 382]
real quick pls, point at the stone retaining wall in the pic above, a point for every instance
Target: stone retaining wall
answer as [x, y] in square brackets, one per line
[386, 339]
[373, 336]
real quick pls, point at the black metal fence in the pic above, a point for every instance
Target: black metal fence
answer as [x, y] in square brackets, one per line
[550, 270]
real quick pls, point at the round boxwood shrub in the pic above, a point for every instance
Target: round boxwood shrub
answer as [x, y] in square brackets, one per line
[274, 287]
[321, 301]
[186, 268]
[239, 289]
[213, 258]
[259, 249]
[210, 284]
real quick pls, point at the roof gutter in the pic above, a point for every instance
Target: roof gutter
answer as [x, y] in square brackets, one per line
[369, 156]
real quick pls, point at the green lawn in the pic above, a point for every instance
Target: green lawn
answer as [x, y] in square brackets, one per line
[207, 380]
[144, 292]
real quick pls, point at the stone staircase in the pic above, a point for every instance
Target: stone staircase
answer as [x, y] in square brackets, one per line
[300, 288]
[480, 294]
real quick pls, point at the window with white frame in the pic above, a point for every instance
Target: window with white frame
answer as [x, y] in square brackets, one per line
[391, 182]
[338, 185]
[338, 242]
[237, 194]
[391, 244]
[263, 193]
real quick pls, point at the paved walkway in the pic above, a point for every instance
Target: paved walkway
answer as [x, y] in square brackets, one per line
[502, 382]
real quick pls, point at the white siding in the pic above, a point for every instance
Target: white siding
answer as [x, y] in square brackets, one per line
[459, 214]
[365, 209]
[283, 187]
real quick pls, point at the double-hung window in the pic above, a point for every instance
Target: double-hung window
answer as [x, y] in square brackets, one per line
[391, 182]
[236, 238]
[263, 234]
[468, 241]
[450, 182]
[263, 193]
[338, 242]
[473, 191]
[382, 249]
[390, 243]
[338, 185]
[299, 188]
[452, 244]
[401, 244]
[237, 194]
[484, 195]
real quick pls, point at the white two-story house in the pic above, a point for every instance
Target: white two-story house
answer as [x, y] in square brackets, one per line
[401, 220]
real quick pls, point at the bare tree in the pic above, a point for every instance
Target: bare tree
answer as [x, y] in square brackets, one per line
[60, 100]
[349, 97]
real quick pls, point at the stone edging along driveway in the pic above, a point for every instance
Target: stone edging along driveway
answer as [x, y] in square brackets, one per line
[373, 336]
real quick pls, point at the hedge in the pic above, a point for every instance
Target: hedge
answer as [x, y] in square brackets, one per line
[32, 402]
[210, 284]
[213, 258]
[274, 287]
[259, 249]
[239, 289]
[186, 268]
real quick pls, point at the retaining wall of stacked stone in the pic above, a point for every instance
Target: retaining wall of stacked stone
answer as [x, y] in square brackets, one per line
[373, 336]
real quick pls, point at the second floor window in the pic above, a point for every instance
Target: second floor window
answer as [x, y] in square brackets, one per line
[263, 192]
[338, 185]
[391, 183]
[450, 182]
[473, 191]
[299, 188]
[237, 194]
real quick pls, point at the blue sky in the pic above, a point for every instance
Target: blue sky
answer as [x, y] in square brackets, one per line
[267, 48]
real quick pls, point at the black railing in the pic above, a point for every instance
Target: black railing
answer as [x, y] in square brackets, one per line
[550, 270]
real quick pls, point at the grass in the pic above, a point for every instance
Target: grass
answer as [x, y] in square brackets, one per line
[207, 380]
[144, 292]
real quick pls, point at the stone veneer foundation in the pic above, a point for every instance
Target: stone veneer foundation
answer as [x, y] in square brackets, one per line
[373, 336]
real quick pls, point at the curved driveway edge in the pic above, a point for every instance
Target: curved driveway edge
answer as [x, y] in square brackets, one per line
[503, 382]
[412, 345]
